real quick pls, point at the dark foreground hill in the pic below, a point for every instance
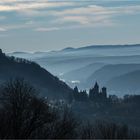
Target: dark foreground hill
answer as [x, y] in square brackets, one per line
[49, 85]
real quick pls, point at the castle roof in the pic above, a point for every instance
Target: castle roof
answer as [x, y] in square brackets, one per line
[96, 85]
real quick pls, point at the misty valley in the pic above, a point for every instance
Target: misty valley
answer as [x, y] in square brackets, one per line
[87, 93]
[114, 66]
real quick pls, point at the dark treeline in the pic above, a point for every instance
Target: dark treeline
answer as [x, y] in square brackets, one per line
[7, 59]
[98, 105]
[24, 114]
[100, 96]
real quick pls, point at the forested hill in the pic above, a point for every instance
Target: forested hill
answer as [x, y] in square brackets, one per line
[49, 85]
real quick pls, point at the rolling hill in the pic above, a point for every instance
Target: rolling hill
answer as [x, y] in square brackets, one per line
[127, 83]
[107, 72]
[48, 84]
[81, 74]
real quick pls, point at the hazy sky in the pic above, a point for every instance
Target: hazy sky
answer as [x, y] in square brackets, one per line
[42, 25]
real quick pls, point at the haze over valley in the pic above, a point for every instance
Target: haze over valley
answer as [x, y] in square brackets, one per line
[106, 64]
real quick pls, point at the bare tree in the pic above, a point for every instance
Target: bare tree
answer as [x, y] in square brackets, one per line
[21, 111]
[107, 130]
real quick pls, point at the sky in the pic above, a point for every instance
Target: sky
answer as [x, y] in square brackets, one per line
[44, 25]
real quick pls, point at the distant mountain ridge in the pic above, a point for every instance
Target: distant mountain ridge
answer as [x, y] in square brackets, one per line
[48, 84]
[110, 71]
[81, 48]
[129, 81]
[68, 49]
[107, 46]
[100, 47]
[21, 53]
[118, 78]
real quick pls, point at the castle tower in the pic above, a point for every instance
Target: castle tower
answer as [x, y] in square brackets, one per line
[104, 92]
[96, 88]
[0, 51]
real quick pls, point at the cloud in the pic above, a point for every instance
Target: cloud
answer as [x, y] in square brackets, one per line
[2, 29]
[88, 16]
[91, 9]
[93, 14]
[69, 14]
[8, 27]
[2, 17]
[84, 20]
[97, 10]
[17, 5]
[73, 19]
[41, 29]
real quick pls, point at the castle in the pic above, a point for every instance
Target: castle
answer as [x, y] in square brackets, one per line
[96, 94]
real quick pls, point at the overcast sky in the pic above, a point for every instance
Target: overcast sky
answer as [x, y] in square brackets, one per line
[43, 25]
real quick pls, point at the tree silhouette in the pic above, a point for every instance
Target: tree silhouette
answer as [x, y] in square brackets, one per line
[106, 130]
[21, 112]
